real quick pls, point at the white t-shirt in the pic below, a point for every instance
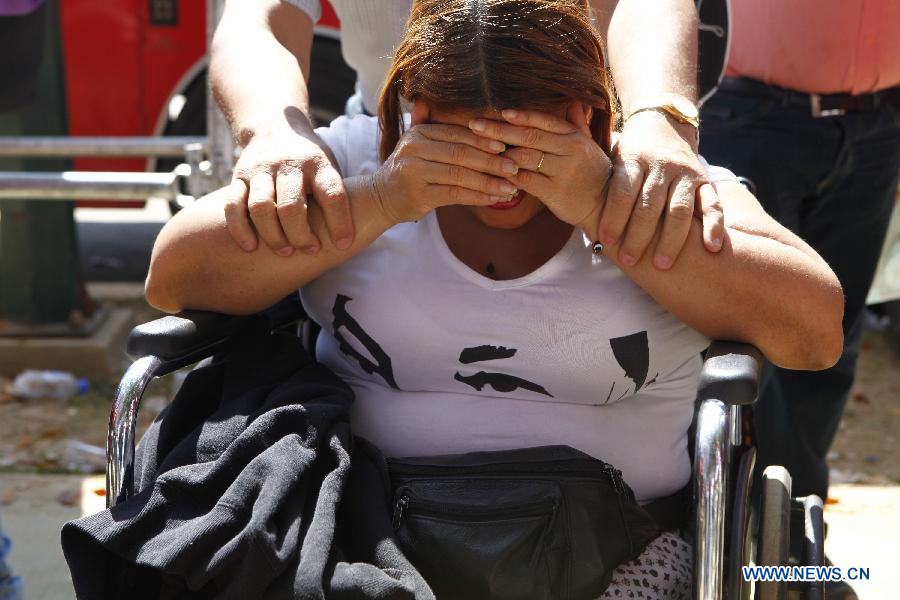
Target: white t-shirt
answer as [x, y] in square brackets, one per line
[444, 360]
[370, 30]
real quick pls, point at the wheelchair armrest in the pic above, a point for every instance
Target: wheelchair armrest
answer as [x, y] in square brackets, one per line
[731, 373]
[179, 340]
[160, 347]
[188, 336]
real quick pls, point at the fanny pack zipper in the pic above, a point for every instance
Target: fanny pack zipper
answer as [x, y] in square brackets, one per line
[507, 470]
[501, 469]
[405, 504]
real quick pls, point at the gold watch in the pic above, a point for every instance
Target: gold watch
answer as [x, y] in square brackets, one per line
[678, 107]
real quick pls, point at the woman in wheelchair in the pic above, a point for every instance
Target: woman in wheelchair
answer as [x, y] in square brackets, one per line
[466, 321]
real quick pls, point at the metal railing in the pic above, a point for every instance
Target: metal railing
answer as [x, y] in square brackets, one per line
[158, 147]
[208, 160]
[189, 180]
[75, 185]
[195, 177]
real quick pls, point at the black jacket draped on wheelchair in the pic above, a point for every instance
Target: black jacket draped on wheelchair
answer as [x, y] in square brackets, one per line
[240, 484]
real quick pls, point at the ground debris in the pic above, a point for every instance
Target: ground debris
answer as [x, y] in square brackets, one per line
[8, 496]
[69, 497]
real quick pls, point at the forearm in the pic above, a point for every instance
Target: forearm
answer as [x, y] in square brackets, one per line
[766, 287]
[652, 46]
[196, 265]
[259, 63]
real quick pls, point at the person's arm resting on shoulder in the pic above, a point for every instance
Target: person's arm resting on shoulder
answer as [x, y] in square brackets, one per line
[652, 47]
[259, 66]
[197, 265]
[766, 287]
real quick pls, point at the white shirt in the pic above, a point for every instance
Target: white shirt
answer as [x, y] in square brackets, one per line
[444, 360]
[370, 30]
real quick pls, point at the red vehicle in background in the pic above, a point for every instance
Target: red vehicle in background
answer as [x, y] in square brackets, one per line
[138, 68]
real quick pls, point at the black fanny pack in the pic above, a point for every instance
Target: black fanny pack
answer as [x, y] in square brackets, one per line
[546, 522]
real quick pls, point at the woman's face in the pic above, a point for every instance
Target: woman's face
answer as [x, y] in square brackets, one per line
[512, 214]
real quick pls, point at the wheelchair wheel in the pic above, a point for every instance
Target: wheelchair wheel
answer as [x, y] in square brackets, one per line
[774, 529]
[814, 538]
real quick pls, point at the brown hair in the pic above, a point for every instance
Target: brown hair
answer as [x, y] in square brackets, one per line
[481, 55]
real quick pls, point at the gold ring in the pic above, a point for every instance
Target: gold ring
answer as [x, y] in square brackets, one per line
[540, 163]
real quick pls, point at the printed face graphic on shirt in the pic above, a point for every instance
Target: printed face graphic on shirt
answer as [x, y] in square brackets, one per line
[349, 334]
[632, 352]
[500, 382]
[342, 323]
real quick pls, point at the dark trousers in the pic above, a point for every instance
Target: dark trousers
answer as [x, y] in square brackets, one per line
[832, 181]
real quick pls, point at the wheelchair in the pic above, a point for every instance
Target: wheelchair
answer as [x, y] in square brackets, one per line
[729, 530]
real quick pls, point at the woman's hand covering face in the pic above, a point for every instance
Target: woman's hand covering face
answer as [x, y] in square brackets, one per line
[438, 165]
[560, 164]
[574, 167]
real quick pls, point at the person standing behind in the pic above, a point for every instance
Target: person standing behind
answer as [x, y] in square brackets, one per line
[810, 112]
[259, 63]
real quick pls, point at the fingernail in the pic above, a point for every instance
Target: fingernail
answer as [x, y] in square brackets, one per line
[286, 251]
[627, 260]
[344, 243]
[497, 146]
[477, 125]
[249, 246]
[510, 167]
[508, 188]
[717, 243]
[608, 240]
[662, 262]
[500, 198]
[311, 250]
[509, 114]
